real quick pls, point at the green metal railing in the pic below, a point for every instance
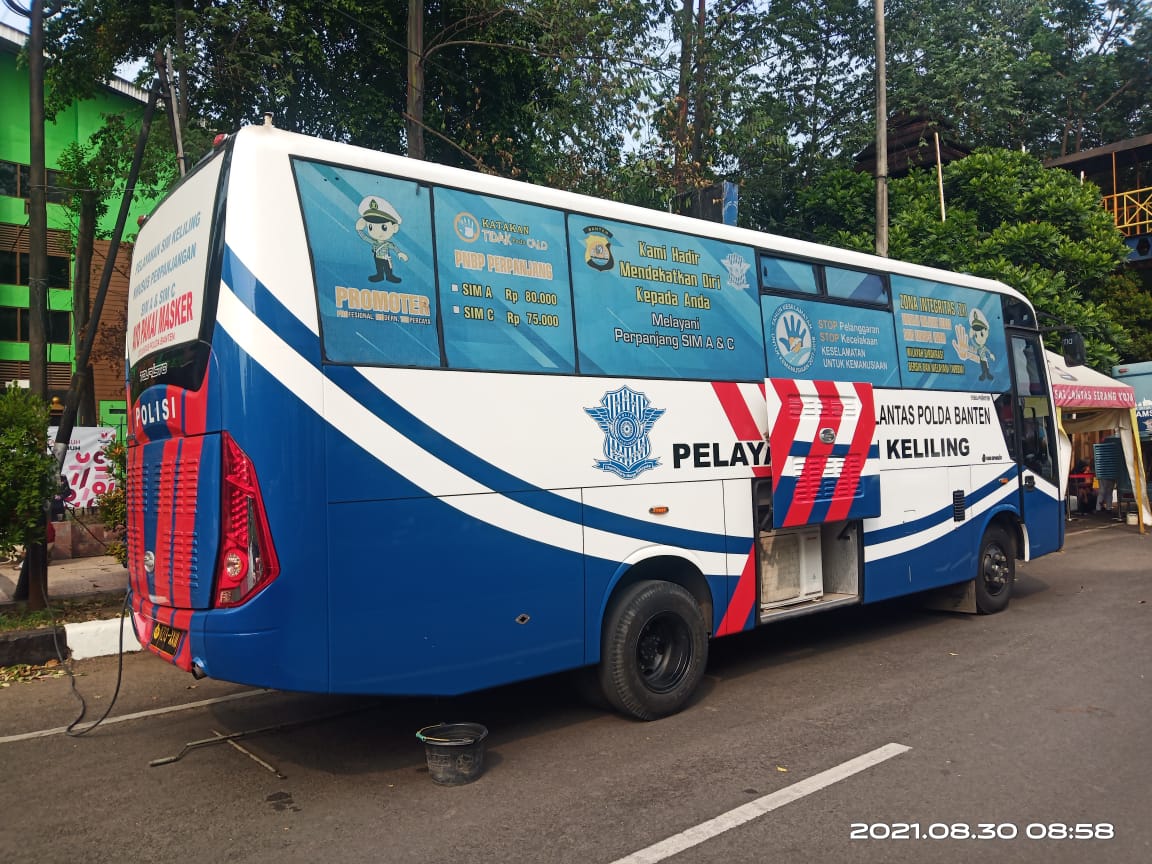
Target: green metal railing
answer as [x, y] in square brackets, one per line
[1131, 210]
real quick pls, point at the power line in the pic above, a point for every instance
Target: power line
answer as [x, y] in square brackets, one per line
[15, 7]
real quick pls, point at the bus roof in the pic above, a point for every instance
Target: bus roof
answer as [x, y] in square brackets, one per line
[1124, 369]
[267, 137]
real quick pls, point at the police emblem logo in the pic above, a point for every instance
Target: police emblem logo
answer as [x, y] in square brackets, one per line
[598, 248]
[792, 337]
[467, 226]
[737, 267]
[626, 417]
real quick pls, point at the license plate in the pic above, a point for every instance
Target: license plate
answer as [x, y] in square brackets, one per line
[166, 639]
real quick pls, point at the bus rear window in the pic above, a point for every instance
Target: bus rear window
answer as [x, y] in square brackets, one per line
[369, 237]
[170, 269]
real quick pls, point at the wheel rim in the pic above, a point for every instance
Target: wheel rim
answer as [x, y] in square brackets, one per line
[995, 571]
[664, 652]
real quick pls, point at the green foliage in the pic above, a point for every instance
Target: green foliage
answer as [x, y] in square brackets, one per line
[639, 101]
[27, 471]
[568, 92]
[838, 200]
[1131, 302]
[103, 164]
[1056, 76]
[1007, 218]
[113, 506]
[536, 90]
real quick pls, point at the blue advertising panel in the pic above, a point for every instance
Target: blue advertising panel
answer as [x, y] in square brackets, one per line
[949, 338]
[812, 340]
[370, 239]
[661, 304]
[1144, 420]
[504, 286]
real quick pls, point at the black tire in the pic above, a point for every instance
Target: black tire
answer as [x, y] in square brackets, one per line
[653, 651]
[995, 571]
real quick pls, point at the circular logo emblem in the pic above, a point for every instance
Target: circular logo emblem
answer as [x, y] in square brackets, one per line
[467, 227]
[792, 337]
[149, 561]
[627, 428]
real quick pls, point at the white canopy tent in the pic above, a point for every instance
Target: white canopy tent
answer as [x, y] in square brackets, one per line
[1091, 402]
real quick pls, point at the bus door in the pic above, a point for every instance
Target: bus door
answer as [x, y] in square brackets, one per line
[1041, 499]
[825, 459]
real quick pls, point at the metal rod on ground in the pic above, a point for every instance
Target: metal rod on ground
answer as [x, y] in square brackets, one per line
[236, 736]
[251, 755]
[208, 742]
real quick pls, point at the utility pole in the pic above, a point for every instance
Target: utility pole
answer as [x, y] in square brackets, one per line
[37, 210]
[81, 303]
[414, 126]
[881, 136]
[680, 155]
[167, 75]
[36, 554]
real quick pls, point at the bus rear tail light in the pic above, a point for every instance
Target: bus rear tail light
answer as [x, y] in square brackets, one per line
[247, 558]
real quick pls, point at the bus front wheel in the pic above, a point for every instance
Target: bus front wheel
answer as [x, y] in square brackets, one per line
[654, 650]
[995, 571]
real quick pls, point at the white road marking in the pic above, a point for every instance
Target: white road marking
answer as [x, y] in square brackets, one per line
[60, 730]
[697, 834]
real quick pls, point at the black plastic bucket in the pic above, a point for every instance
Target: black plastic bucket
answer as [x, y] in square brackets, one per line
[454, 751]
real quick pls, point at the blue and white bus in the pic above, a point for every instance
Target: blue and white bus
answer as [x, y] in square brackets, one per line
[398, 428]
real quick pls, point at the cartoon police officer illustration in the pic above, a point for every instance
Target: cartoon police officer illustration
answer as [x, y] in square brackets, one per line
[377, 225]
[972, 344]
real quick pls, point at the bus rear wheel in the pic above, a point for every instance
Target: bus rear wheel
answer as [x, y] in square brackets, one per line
[995, 571]
[654, 650]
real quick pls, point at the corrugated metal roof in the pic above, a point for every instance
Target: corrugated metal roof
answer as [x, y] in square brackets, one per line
[12, 41]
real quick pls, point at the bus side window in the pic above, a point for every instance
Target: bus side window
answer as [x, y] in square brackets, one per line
[782, 274]
[856, 285]
[1007, 418]
[1036, 447]
[1029, 379]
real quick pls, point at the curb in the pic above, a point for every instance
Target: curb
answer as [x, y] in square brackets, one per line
[81, 640]
[32, 647]
[100, 638]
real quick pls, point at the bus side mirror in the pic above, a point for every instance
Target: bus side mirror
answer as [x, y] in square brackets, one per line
[1072, 344]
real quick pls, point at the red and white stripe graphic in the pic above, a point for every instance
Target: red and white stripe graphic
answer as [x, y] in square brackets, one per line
[806, 412]
[742, 404]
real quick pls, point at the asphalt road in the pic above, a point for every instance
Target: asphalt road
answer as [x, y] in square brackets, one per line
[1034, 722]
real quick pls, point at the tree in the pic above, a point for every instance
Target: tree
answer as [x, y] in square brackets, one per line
[26, 468]
[642, 102]
[1055, 76]
[1008, 218]
[528, 89]
[1127, 300]
[114, 505]
[27, 475]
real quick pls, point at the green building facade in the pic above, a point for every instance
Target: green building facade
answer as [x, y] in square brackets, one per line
[74, 125]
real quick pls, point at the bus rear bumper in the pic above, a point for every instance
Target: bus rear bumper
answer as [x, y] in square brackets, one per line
[164, 631]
